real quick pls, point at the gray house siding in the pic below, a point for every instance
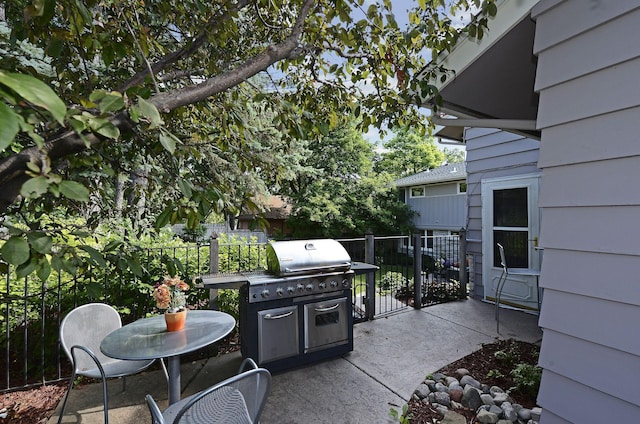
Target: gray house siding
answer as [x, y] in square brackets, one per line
[439, 211]
[588, 67]
[491, 153]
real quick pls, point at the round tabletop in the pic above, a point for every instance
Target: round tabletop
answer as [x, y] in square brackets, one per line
[148, 338]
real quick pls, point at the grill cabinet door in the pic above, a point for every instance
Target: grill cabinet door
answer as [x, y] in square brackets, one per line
[278, 333]
[326, 324]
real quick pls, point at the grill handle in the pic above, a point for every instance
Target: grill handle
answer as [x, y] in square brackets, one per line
[286, 314]
[330, 308]
[316, 268]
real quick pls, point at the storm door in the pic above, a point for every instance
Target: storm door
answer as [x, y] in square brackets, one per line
[511, 217]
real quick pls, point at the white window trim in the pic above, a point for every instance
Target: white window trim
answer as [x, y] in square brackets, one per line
[411, 196]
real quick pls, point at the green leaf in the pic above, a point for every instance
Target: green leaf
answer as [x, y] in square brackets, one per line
[40, 242]
[74, 190]
[34, 187]
[111, 102]
[149, 111]
[163, 219]
[43, 269]
[26, 268]
[168, 141]
[15, 250]
[185, 187]
[94, 255]
[9, 126]
[36, 92]
[135, 267]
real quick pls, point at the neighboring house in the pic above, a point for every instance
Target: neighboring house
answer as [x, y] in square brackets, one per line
[438, 196]
[278, 210]
[550, 98]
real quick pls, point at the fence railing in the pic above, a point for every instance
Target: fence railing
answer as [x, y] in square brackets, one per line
[31, 310]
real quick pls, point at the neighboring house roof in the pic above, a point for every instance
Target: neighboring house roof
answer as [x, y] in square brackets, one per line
[276, 208]
[444, 173]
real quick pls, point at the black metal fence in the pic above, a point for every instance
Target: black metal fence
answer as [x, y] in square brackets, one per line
[32, 310]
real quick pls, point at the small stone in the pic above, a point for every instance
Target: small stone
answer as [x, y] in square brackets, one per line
[422, 391]
[455, 405]
[499, 398]
[441, 409]
[432, 397]
[495, 410]
[468, 380]
[438, 376]
[495, 390]
[456, 394]
[451, 417]
[451, 380]
[461, 372]
[504, 422]
[441, 388]
[471, 398]
[487, 399]
[508, 411]
[455, 386]
[535, 413]
[443, 398]
[487, 417]
[524, 414]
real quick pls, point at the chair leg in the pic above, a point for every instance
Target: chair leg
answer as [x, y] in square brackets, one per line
[106, 400]
[66, 397]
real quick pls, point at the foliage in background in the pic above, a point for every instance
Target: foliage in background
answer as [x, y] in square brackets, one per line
[342, 195]
[165, 112]
[409, 152]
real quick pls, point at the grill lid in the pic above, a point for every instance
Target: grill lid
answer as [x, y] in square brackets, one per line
[306, 256]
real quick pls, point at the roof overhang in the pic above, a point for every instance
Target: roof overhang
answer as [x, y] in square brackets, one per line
[493, 77]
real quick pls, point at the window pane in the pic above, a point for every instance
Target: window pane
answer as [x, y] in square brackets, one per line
[515, 245]
[510, 208]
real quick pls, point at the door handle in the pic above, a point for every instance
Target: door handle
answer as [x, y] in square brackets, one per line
[286, 314]
[330, 308]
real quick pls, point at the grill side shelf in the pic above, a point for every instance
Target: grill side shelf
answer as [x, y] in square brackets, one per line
[222, 281]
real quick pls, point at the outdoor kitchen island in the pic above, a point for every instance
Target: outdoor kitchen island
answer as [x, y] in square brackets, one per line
[300, 310]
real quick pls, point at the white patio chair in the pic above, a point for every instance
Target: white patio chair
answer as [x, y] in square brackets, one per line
[236, 400]
[81, 333]
[503, 278]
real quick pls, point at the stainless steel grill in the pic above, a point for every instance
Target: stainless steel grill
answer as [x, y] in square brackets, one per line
[300, 310]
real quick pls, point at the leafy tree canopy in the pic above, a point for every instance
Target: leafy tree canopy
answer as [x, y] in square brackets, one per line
[169, 110]
[342, 195]
[409, 152]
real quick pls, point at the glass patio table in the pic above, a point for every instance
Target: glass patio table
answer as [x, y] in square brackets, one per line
[148, 338]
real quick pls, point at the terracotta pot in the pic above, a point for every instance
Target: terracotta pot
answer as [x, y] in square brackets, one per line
[175, 322]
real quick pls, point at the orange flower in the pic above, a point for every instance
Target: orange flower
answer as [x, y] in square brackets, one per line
[169, 295]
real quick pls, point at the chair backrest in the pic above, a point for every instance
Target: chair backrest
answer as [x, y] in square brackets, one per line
[87, 325]
[503, 260]
[239, 399]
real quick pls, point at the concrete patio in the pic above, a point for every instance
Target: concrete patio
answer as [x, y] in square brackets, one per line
[391, 356]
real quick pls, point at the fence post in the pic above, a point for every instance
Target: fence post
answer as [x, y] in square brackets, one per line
[214, 267]
[417, 271]
[462, 263]
[370, 293]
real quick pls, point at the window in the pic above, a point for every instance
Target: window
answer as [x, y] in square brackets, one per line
[462, 187]
[417, 191]
[510, 226]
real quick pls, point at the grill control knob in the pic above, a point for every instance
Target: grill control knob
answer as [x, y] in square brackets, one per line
[290, 289]
[265, 293]
[279, 291]
[300, 287]
[322, 285]
[309, 287]
[333, 284]
[345, 283]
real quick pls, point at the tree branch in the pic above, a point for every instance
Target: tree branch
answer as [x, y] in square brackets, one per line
[186, 51]
[12, 168]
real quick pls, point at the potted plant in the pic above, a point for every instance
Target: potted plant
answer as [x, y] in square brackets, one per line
[169, 295]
